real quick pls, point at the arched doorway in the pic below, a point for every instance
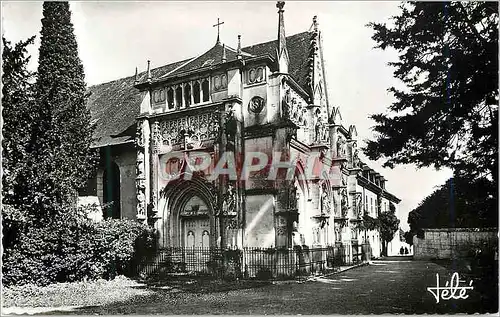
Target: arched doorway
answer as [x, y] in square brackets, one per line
[187, 205]
[111, 191]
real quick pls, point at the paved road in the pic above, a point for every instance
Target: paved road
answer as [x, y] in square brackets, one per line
[382, 287]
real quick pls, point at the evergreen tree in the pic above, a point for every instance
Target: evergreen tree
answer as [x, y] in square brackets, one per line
[60, 157]
[447, 115]
[17, 104]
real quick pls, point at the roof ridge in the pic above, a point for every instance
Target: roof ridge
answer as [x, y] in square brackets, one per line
[189, 60]
[180, 66]
[275, 40]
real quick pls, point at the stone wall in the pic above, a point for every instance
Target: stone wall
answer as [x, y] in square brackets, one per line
[455, 243]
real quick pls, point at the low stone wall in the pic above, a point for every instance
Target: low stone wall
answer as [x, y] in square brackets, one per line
[453, 243]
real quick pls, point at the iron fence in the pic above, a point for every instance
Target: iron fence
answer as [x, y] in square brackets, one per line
[259, 263]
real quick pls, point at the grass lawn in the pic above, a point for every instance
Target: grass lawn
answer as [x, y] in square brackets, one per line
[121, 289]
[90, 293]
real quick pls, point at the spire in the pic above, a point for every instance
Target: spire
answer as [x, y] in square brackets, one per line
[136, 78]
[224, 58]
[315, 23]
[282, 49]
[238, 51]
[149, 70]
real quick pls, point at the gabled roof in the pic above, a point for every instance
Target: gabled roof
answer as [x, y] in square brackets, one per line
[115, 105]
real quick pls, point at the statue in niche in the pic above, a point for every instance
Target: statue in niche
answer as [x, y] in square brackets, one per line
[355, 159]
[325, 200]
[141, 199]
[317, 130]
[230, 124]
[359, 205]
[338, 236]
[286, 103]
[139, 138]
[140, 164]
[229, 202]
[343, 202]
[340, 147]
[324, 136]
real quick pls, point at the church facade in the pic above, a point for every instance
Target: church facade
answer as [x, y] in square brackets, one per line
[181, 147]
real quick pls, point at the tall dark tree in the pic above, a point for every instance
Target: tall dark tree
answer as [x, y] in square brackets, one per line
[448, 113]
[60, 155]
[388, 225]
[17, 104]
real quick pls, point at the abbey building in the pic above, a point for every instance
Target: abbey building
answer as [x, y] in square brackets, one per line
[265, 98]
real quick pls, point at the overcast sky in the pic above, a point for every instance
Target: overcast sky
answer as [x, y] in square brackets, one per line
[115, 37]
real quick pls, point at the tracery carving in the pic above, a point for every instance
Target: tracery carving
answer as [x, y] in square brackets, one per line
[155, 138]
[200, 127]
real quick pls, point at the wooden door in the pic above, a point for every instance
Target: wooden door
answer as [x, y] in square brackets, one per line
[197, 243]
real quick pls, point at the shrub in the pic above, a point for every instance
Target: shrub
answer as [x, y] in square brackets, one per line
[72, 248]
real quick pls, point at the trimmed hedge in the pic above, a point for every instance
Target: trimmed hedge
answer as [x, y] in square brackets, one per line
[72, 248]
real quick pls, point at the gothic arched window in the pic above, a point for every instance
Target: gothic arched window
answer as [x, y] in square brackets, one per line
[205, 88]
[187, 95]
[170, 98]
[196, 92]
[178, 97]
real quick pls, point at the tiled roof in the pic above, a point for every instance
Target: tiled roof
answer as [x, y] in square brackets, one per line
[297, 45]
[114, 105]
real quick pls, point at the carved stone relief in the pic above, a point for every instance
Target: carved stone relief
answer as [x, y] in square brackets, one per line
[140, 170]
[199, 127]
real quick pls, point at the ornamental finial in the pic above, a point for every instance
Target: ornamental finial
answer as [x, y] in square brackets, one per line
[149, 70]
[224, 57]
[280, 4]
[238, 51]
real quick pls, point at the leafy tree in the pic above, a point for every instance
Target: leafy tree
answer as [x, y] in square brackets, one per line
[408, 237]
[388, 225]
[17, 104]
[60, 157]
[447, 115]
[461, 202]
